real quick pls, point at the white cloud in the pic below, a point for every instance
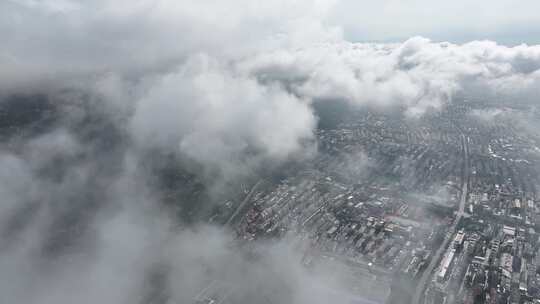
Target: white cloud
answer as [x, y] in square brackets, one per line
[418, 74]
[222, 119]
[50, 40]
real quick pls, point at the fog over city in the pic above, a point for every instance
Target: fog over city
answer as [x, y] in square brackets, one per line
[133, 132]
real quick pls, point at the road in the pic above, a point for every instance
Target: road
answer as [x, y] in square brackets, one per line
[243, 203]
[426, 275]
[465, 183]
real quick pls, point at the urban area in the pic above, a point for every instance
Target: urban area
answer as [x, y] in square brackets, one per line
[441, 209]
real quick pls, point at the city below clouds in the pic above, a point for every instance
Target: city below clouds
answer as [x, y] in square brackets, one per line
[100, 99]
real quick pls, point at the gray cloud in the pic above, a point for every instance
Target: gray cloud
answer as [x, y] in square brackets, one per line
[82, 218]
[222, 119]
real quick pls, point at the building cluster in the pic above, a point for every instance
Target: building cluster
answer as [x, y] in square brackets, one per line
[496, 259]
[445, 207]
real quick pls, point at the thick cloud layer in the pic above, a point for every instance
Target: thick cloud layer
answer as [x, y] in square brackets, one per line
[95, 93]
[417, 74]
[222, 119]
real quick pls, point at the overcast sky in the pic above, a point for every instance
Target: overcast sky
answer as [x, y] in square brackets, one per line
[505, 21]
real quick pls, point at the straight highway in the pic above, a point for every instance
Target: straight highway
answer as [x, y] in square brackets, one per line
[418, 297]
